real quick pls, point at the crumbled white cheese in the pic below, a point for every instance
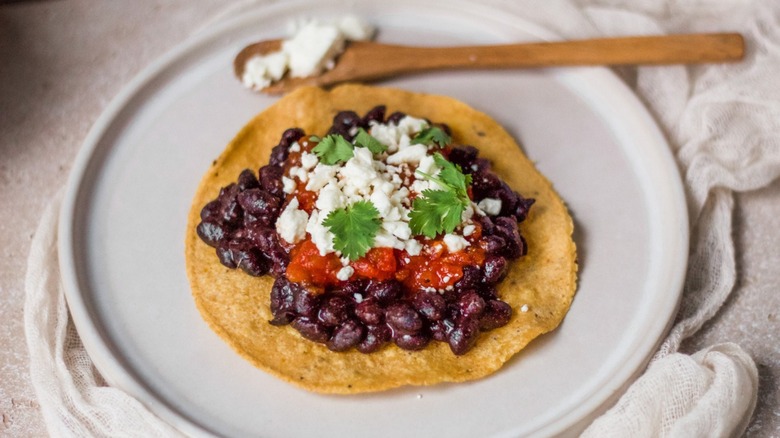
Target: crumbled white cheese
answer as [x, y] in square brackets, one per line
[413, 247]
[524, 308]
[410, 154]
[411, 125]
[310, 49]
[291, 224]
[468, 213]
[300, 173]
[359, 172]
[295, 147]
[313, 48]
[321, 175]
[320, 234]
[309, 160]
[491, 206]
[330, 198]
[344, 274]
[262, 71]
[468, 230]
[288, 185]
[399, 229]
[428, 165]
[455, 242]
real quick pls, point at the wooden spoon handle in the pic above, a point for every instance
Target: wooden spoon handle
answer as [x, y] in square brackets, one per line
[667, 49]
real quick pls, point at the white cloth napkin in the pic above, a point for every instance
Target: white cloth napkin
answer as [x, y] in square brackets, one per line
[723, 123]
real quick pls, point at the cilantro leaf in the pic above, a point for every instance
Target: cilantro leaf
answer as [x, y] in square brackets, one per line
[364, 139]
[354, 228]
[434, 134]
[452, 175]
[436, 211]
[333, 149]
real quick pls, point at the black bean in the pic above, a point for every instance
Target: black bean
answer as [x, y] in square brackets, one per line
[431, 305]
[523, 207]
[497, 314]
[464, 157]
[225, 255]
[312, 330]
[212, 232]
[495, 269]
[412, 342]
[369, 344]
[352, 287]
[487, 292]
[306, 304]
[247, 180]
[253, 262]
[346, 336]
[440, 330]
[283, 295]
[211, 210]
[376, 114]
[231, 212]
[385, 292]
[471, 305]
[280, 259]
[493, 244]
[369, 312]
[261, 204]
[506, 227]
[487, 224]
[290, 136]
[396, 117]
[344, 122]
[463, 336]
[271, 180]
[402, 318]
[484, 184]
[334, 310]
[472, 276]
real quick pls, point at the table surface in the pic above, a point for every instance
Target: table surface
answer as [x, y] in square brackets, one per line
[62, 62]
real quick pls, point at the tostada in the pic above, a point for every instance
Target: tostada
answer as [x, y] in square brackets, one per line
[365, 238]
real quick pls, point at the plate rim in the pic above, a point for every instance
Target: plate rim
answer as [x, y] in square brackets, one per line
[121, 374]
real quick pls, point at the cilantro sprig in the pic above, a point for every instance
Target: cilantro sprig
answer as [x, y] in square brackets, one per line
[366, 140]
[434, 134]
[440, 211]
[334, 148]
[354, 228]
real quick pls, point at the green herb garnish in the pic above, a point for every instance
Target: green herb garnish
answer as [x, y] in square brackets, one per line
[440, 211]
[354, 228]
[434, 134]
[333, 149]
[364, 139]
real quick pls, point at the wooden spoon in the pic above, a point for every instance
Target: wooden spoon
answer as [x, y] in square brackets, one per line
[365, 61]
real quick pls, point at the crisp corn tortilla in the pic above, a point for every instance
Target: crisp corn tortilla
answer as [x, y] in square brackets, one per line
[236, 305]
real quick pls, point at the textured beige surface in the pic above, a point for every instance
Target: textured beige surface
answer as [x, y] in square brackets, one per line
[62, 61]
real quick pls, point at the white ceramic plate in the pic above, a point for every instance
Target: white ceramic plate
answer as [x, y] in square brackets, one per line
[123, 221]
